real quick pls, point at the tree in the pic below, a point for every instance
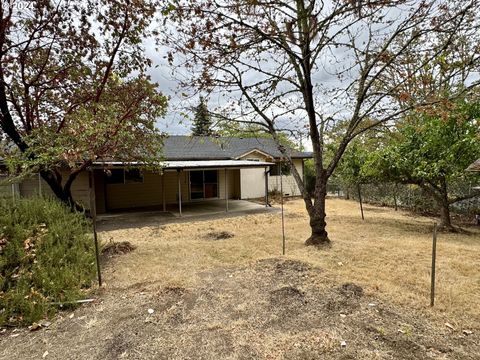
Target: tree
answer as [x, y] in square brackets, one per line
[432, 151]
[70, 96]
[282, 64]
[202, 122]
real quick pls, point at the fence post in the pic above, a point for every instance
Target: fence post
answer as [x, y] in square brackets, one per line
[395, 196]
[360, 200]
[434, 258]
[283, 216]
[93, 213]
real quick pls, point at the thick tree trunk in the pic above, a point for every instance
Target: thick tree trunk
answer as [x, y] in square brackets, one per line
[62, 192]
[445, 220]
[317, 214]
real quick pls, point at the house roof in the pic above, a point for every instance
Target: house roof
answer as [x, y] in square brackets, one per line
[475, 166]
[184, 148]
[216, 148]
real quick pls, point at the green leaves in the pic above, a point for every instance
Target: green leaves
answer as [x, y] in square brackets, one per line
[429, 148]
[78, 91]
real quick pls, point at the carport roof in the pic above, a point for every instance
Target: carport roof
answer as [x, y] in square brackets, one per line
[194, 164]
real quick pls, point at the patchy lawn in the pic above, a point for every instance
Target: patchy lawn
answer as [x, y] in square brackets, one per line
[219, 288]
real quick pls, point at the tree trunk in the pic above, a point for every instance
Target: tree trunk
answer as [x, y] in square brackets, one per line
[317, 216]
[445, 219]
[62, 192]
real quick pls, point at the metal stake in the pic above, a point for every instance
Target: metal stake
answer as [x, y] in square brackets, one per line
[283, 217]
[360, 200]
[93, 211]
[434, 258]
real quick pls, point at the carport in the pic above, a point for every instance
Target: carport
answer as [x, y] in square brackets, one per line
[195, 184]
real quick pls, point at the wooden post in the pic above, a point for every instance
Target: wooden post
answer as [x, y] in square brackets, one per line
[226, 191]
[434, 259]
[179, 193]
[360, 200]
[93, 212]
[13, 192]
[283, 217]
[163, 193]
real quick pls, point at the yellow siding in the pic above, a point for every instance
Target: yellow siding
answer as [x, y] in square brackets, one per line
[290, 187]
[36, 186]
[147, 193]
[252, 181]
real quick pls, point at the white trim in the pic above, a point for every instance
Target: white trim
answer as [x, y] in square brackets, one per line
[255, 150]
[193, 164]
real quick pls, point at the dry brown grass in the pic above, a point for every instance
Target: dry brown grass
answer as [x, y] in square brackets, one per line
[218, 296]
[388, 254]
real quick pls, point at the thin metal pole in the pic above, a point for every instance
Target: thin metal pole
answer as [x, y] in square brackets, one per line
[434, 259]
[39, 184]
[179, 194]
[226, 191]
[163, 192]
[13, 193]
[395, 196]
[266, 188]
[283, 217]
[93, 211]
[360, 200]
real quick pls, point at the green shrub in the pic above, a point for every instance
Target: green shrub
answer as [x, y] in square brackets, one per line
[46, 255]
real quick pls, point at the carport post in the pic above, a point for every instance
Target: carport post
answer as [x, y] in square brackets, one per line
[179, 193]
[266, 187]
[163, 192]
[226, 191]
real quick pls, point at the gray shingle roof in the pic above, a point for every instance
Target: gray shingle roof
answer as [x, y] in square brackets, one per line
[205, 147]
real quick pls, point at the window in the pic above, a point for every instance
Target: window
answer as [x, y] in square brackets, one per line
[133, 176]
[286, 169]
[115, 176]
[121, 176]
[203, 184]
[284, 166]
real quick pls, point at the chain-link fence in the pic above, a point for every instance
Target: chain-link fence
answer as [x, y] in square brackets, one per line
[7, 189]
[405, 196]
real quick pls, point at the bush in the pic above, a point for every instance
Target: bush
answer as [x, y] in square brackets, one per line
[46, 256]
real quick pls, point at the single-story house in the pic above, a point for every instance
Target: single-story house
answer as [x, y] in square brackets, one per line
[194, 169]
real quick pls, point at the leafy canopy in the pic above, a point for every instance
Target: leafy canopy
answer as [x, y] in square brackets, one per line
[428, 148]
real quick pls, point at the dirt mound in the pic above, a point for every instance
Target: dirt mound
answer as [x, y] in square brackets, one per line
[113, 248]
[280, 266]
[219, 235]
[287, 296]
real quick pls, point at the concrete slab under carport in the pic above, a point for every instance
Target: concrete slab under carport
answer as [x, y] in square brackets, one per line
[192, 211]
